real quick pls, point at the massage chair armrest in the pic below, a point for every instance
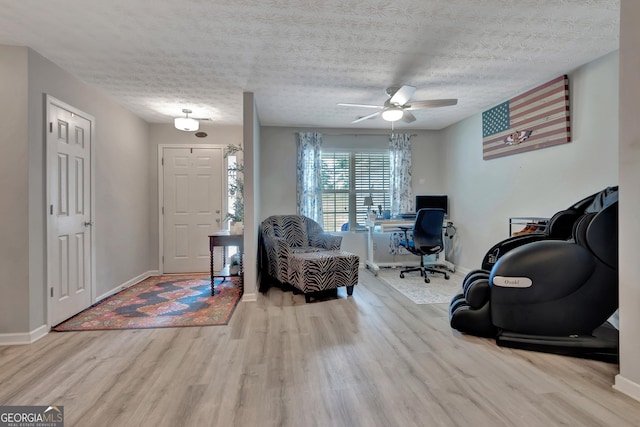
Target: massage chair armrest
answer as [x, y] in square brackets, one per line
[539, 272]
[501, 248]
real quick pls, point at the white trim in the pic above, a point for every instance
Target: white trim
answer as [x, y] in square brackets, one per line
[627, 387]
[50, 100]
[249, 297]
[24, 338]
[127, 284]
[161, 148]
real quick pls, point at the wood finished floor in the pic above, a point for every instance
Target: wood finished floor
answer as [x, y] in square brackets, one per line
[374, 359]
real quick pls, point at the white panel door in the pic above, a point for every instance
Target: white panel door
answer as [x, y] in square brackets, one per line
[193, 184]
[69, 227]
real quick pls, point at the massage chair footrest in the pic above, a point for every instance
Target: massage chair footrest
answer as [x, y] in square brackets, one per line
[601, 345]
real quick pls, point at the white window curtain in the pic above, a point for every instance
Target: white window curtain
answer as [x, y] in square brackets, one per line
[400, 171]
[309, 190]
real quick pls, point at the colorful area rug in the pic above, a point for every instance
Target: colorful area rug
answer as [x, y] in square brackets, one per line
[439, 290]
[162, 302]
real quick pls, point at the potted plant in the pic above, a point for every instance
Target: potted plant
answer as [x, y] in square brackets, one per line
[235, 216]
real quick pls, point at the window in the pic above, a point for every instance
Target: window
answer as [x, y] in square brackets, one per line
[347, 178]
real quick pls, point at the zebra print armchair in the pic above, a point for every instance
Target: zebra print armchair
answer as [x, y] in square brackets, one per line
[283, 235]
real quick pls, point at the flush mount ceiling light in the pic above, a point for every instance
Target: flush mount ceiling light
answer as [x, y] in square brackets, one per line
[392, 114]
[186, 123]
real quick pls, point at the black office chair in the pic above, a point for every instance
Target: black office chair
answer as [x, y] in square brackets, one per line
[427, 240]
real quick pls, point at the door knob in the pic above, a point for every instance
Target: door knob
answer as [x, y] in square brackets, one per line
[88, 223]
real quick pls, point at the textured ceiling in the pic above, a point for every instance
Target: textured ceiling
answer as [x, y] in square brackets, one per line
[302, 57]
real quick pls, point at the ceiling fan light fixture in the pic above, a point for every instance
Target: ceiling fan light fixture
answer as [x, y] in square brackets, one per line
[186, 124]
[392, 114]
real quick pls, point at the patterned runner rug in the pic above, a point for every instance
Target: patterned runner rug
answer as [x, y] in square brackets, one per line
[413, 286]
[162, 302]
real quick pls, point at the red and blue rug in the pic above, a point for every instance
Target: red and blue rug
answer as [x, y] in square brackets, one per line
[162, 302]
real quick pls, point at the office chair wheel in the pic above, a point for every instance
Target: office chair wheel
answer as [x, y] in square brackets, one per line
[402, 275]
[446, 276]
[426, 279]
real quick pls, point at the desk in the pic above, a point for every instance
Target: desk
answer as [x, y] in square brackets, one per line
[391, 226]
[224, 239]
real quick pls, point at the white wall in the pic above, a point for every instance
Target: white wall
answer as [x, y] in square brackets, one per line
[485, 193]
[628, 380]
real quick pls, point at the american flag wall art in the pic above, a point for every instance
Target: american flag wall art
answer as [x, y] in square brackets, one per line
[536, 119]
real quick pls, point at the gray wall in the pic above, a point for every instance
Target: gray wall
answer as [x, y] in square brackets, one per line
[122, 187]
[251, 136]
[278, 168]
[278, 161]
[485, 193]
[14, 190]
[164, 134]
[629, 378]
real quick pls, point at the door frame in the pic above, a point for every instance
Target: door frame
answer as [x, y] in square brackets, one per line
[161, 148]
[50, 222]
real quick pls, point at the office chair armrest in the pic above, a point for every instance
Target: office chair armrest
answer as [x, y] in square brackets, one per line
[404, 230]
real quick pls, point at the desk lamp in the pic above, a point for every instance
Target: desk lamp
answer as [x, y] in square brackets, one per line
[368, 202]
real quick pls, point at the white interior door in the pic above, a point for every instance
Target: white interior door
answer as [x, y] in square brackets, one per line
[193, 184]
[69, 237]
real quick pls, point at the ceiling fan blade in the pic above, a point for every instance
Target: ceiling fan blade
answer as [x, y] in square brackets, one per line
[343, 104]
[402, 95]
[408, 117]
[370, 116]
[431, 103]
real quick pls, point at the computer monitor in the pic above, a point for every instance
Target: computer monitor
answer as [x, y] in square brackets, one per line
[439, 201]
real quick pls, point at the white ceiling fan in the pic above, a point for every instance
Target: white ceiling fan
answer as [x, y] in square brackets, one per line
[399, 106]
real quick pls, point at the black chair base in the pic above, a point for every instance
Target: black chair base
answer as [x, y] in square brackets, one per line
[423, 272]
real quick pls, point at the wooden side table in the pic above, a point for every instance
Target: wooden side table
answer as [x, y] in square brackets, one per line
[224, 239]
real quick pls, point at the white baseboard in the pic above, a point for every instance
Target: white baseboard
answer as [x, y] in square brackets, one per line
[462, 270]
[25, 337]
[627, 387]
[127, 284]
[249, 297]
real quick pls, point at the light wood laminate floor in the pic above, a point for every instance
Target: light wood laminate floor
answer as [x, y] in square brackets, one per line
[374, 359]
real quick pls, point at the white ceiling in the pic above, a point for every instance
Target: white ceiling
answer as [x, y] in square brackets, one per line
[302, 57]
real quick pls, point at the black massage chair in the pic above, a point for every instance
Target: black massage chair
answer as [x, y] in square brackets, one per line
[553, 290]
